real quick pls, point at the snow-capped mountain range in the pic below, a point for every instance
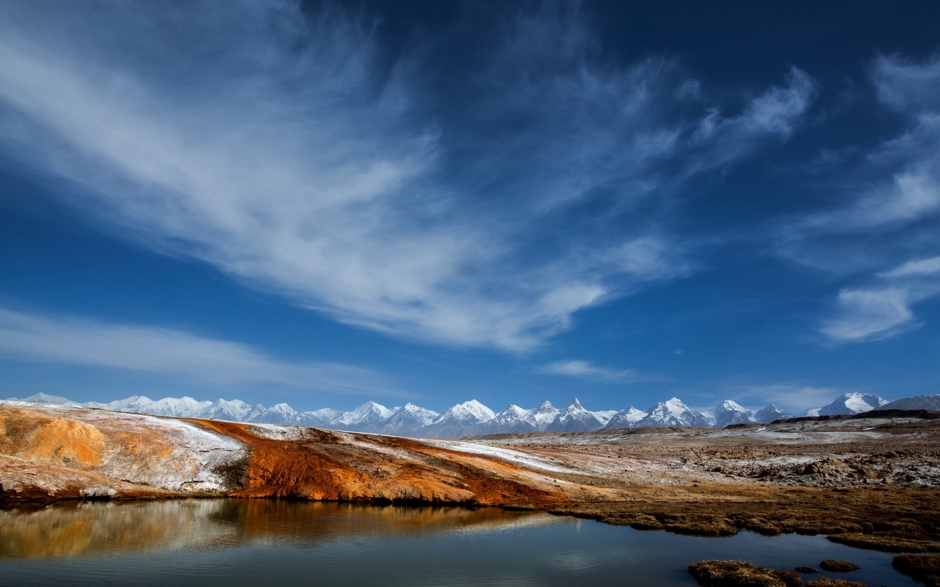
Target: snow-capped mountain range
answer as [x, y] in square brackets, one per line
[470, 418]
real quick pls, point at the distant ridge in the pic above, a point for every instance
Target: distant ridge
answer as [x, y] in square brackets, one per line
[917, 402]
[472, 418]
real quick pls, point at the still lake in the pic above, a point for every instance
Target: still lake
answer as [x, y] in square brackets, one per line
[230, 543]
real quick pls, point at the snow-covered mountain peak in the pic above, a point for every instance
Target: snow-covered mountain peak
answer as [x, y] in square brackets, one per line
[514, 410]
[471, 411]
[729, 412]
[852, 403]
[372, 407]
[673, 412]
[546, 408]
[283, 408]
[574, 405]
[474, 418]
[730, 405]
[627, 418]
[769, 414]
[368, 413]
[44, 398]
[675, 406]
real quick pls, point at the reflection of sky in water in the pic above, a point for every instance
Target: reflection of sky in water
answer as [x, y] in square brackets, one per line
[254, 542]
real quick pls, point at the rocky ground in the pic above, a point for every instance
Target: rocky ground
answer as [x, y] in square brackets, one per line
[834, 452]
[870, 482]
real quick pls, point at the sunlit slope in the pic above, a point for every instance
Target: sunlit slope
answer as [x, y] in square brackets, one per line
[61, 452]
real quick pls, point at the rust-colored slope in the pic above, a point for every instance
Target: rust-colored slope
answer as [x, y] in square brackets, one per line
[324, 465]
[49, 440]
[56, 452]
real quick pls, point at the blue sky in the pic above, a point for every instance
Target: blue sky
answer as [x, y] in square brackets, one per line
[325, 203]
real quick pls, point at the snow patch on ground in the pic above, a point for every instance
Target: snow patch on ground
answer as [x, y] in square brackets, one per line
[503, 454]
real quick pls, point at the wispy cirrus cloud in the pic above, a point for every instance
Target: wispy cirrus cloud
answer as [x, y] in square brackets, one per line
[898, 214]
[892, 222]
[174, 353]
[870, 314]
[283, 149]
[588, 370]
[883, 309]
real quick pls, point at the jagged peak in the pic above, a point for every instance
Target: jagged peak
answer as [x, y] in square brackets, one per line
[730, 405]
[546, 407]
[281, 407]
[514, 409]
[472, 408]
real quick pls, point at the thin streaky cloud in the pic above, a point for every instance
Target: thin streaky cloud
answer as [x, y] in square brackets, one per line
[915, 268]
[588, 370]
[75, 341]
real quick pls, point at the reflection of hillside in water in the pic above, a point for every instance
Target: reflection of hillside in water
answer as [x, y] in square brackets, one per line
[106, 528]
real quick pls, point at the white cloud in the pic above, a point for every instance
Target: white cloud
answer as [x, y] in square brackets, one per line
[588, 370]
[72, 341]
[870, 314]
[916, 268]
[884, 310]
[904, 85]
[776, 113]
[910, 197]
[779, 109]
[271, 145]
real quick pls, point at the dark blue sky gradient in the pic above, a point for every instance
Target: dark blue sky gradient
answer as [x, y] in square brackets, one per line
[619, 202]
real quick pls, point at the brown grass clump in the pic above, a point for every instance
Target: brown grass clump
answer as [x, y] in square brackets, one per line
[922, 568]
[714, 573]
[836, 566]
[879, 542]
[645, 522]
[805, 570]
[709, 527]
[827, 582]
[642, 522]
[763, 526]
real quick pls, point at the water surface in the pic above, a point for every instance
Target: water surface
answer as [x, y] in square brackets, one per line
[256, 542]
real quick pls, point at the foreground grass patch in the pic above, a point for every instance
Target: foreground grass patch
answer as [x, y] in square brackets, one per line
[837, 566]
[715, 573]
[828, 582]
[881, 543]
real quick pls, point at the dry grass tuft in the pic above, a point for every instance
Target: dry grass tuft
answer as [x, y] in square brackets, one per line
[805, 570]
[827, 582]
[715, 573]
[880, 542]
[710, 527]
[924, 568]
[836, 566]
